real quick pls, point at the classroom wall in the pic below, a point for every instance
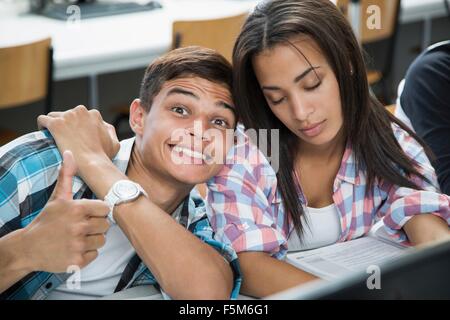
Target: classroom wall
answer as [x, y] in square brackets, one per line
[121, 88]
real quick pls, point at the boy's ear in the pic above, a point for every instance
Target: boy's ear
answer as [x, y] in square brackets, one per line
[137, 117]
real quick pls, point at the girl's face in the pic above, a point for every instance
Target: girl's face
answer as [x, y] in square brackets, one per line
[305, 97]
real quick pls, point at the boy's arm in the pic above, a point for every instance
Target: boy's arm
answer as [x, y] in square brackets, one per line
[13, 265]
[66, 232]
[184, 266]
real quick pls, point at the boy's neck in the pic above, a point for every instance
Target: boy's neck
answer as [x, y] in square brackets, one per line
[166, 193]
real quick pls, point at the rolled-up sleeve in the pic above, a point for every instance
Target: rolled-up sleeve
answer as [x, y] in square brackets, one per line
[202, 230]
[242, 206]
[403, 203]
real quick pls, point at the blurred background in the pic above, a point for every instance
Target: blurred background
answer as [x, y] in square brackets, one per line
[57, 54]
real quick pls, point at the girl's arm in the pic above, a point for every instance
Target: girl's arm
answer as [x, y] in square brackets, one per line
[426, 228]
[264, 275]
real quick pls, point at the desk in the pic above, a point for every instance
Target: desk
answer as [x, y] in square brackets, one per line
[123, 42]
[114, 43]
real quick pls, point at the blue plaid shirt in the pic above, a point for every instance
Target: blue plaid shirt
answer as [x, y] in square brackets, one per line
[29, 169]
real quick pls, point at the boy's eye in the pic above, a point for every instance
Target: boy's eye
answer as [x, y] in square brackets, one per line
[180, 110]
[220, 122]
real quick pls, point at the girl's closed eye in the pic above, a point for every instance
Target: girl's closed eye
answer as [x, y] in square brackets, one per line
[275, 102]
[315, 86]
[313, 81]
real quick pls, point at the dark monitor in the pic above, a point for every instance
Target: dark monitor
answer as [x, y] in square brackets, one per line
[421, 274]
[91, 8]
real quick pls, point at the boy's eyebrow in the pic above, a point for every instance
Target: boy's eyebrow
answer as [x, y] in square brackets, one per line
[225, 105]
[178, 90]
[221, 104]
[297, 78]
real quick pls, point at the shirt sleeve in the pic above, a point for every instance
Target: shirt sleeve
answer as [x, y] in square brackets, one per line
[403, 203]
[201, 228]
[243, 206]
[28, 167]
[9, 201]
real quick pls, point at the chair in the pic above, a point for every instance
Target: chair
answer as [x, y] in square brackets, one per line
[389, 11]
[218, 34]
[391, 108]
[26, 77]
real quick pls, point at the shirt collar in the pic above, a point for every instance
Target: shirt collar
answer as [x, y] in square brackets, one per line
[122, 157]
[348, 171]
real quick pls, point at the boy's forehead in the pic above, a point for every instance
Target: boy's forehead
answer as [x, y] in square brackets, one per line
[200, 86]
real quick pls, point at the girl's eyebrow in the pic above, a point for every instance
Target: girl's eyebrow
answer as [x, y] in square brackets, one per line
[305, 73]
[296, 79]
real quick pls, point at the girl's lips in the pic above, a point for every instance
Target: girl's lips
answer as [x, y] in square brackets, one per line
[313, 130]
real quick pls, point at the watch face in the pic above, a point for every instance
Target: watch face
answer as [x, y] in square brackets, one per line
[126, 190]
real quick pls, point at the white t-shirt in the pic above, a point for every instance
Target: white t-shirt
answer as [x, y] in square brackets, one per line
[322, 227]
[100, 277]
[399, 112]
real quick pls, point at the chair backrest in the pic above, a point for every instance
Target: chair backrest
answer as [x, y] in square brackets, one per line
[391, 108]
[25, 73]
[389, 13]
[218, 34]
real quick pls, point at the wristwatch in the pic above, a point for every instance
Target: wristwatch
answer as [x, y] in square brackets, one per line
[122, 191]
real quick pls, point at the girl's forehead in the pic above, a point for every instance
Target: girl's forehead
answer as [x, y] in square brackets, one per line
[303, 47]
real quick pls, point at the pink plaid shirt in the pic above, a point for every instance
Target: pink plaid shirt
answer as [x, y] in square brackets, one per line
[246, 210]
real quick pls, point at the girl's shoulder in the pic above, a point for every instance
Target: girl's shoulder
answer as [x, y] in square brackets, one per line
[409, 144]
[246, 157]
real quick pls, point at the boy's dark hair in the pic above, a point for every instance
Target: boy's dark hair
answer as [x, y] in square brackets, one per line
[190, 61]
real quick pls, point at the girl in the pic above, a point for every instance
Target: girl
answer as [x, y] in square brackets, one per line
[345, 162]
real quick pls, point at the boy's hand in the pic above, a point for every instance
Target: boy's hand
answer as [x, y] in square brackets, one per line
[66, 232]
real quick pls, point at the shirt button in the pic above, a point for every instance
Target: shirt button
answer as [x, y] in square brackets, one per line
[48, 285]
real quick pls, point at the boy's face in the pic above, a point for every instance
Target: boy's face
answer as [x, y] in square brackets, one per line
[183, 136]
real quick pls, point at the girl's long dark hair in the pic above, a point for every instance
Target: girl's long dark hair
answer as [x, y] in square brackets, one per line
[367, 124]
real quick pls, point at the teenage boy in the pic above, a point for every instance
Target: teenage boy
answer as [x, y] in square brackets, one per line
[148, 230]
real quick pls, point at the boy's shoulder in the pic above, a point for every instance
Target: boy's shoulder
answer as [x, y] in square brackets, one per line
[29, 156]
[29, 167]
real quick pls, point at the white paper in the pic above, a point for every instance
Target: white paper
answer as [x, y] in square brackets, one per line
[344, 258]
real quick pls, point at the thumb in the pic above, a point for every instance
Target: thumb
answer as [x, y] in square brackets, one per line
[63, 188]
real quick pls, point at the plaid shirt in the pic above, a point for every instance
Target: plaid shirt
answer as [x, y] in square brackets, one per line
[245, 206]
[29, 169]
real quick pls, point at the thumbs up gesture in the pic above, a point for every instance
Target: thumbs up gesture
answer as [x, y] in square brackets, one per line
[66, 232]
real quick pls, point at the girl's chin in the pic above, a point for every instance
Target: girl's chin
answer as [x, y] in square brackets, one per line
[320, 140]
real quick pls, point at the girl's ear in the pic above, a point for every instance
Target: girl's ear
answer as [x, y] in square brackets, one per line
[137, 117]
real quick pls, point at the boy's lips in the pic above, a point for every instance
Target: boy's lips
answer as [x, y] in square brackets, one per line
[189, 152]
